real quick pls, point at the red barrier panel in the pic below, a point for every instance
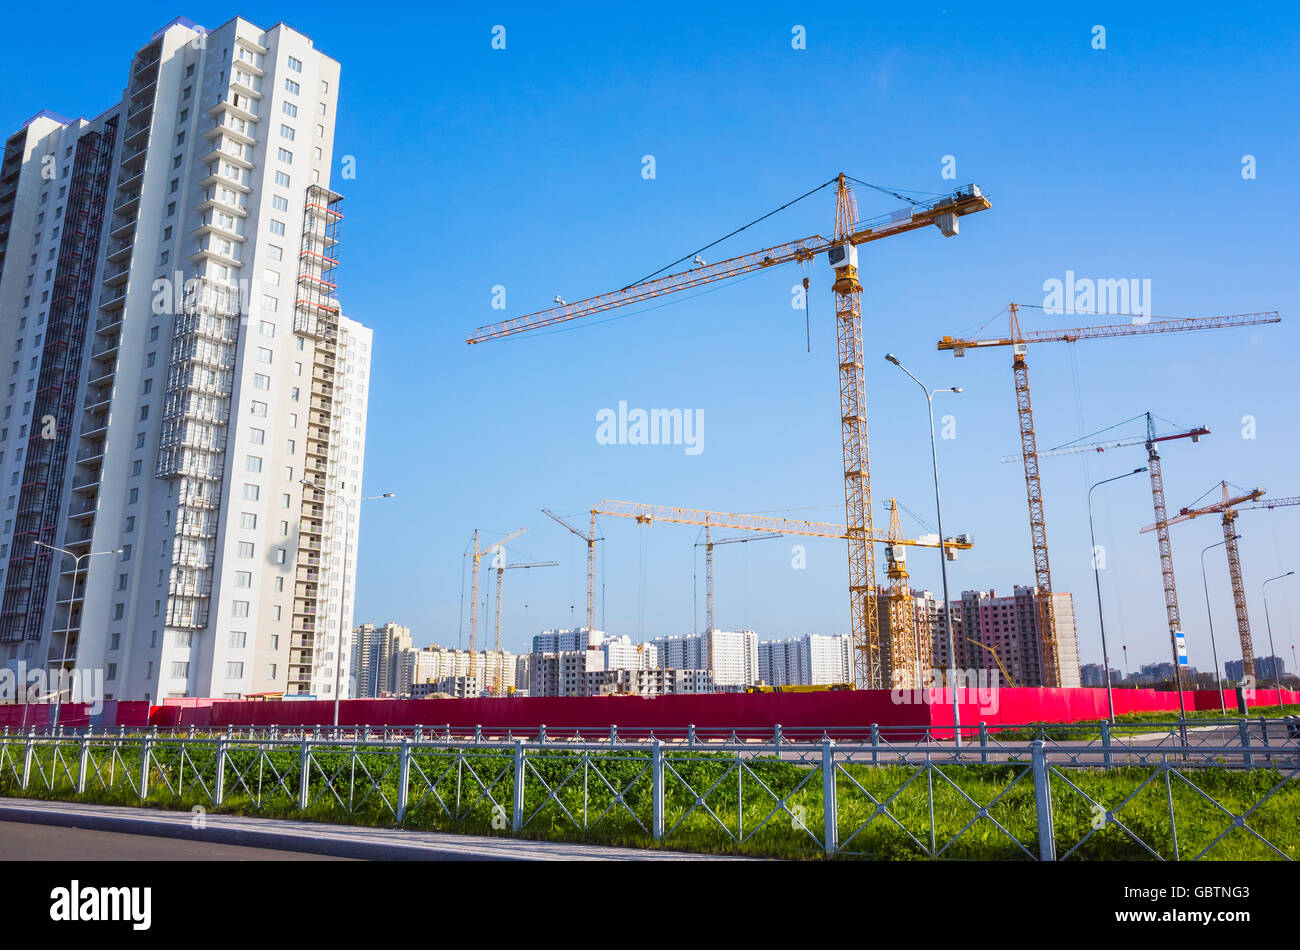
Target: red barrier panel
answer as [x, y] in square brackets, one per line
[800, 714]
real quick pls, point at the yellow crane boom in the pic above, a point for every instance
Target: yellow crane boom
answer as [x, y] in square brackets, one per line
[841, 253]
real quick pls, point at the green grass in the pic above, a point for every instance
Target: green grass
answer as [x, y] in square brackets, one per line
[607, 800]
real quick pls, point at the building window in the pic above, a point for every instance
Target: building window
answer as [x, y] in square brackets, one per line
[239, 639]
[295, 64]
[251, 492]
[239, 608]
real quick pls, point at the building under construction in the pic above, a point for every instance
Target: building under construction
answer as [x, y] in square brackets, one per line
[993, 634]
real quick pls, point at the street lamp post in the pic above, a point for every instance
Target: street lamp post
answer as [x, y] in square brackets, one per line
[67, 626]
[1277, 677]
[943, 554]
[1101, 620]
[343, 582]
[1223, 705]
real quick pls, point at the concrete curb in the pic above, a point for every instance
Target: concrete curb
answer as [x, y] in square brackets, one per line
[346, 841]
[274, 840]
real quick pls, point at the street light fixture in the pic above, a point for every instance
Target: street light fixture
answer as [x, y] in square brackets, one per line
[1223, 705]
[1277, 678]
[1101, 620]
[343, 580]
[943, 554]
[67, 626]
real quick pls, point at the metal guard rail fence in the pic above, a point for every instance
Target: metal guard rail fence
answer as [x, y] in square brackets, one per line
[1040, 799]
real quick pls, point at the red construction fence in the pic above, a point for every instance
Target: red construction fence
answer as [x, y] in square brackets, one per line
[799, 714]
[746, 712]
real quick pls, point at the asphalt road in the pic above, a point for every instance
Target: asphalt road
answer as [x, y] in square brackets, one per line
[20, 841]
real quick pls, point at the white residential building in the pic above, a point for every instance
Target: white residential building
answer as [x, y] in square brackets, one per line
[180, 364]
[812, 660]
[732, 656]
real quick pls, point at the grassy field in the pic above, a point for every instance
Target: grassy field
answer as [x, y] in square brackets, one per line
[711, 804]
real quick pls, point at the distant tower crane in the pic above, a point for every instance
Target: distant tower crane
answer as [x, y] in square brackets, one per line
[500, 566]
[896, 669]
[708, 544]
[1150, 441]
[478, 554]
[591, 538]
[1018, 341]
[842, 253]
[1229, 506]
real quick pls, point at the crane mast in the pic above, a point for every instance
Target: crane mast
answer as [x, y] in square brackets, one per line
[591, 538]
[864, 621]
[1051, 660]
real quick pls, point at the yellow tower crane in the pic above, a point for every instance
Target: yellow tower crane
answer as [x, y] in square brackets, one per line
[1019, 341]
[500, 566]
[591, 538]
[899, 663]
[478, 554]
[842, 254]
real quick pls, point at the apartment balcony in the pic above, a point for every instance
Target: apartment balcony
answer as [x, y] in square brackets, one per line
[237, 135]
[215, 179]
[217, 204]
[131, 202]
[123, 230]
[137, 135]
[219, 154]
[106, 349]
[140, 111]
[145, 68]
[117, 276]
[119, 251]
[211, 227]
[84, 485]
[228, 105]
[212, 254]
[239, 87]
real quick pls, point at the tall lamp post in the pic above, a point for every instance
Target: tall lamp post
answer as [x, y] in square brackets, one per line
[1277, 677]
[67, 626]
[1223, 705]
[943, 554]
[1101, 620]
[343, 581]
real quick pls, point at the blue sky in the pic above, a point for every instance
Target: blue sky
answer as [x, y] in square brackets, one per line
[522, 168]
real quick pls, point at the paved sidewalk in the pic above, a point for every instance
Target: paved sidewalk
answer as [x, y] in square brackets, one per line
[385, 844]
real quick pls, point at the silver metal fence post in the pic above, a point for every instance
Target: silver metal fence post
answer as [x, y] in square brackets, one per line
[984, 743]
[690, 735]
[541, 733]
[657, 780]
[875, 744]
[613, 735]
[830, 808]
[27, 757]
[84, 763]
[219, 787]
[1263, 734]
[304, 774]
[1105, 743]
[1243, 729]
[1043, 802]
[144, 766]
[403, 779]
[517, 822]
[776, 739]
[478, 734]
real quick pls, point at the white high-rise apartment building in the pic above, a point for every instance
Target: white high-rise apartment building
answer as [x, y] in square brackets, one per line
[178, 366]
[811, 660]
[731, 655]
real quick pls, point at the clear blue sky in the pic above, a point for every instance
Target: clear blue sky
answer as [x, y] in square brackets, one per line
[523, 168]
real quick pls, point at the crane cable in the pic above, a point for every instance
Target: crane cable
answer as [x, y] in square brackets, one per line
[743, 227]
